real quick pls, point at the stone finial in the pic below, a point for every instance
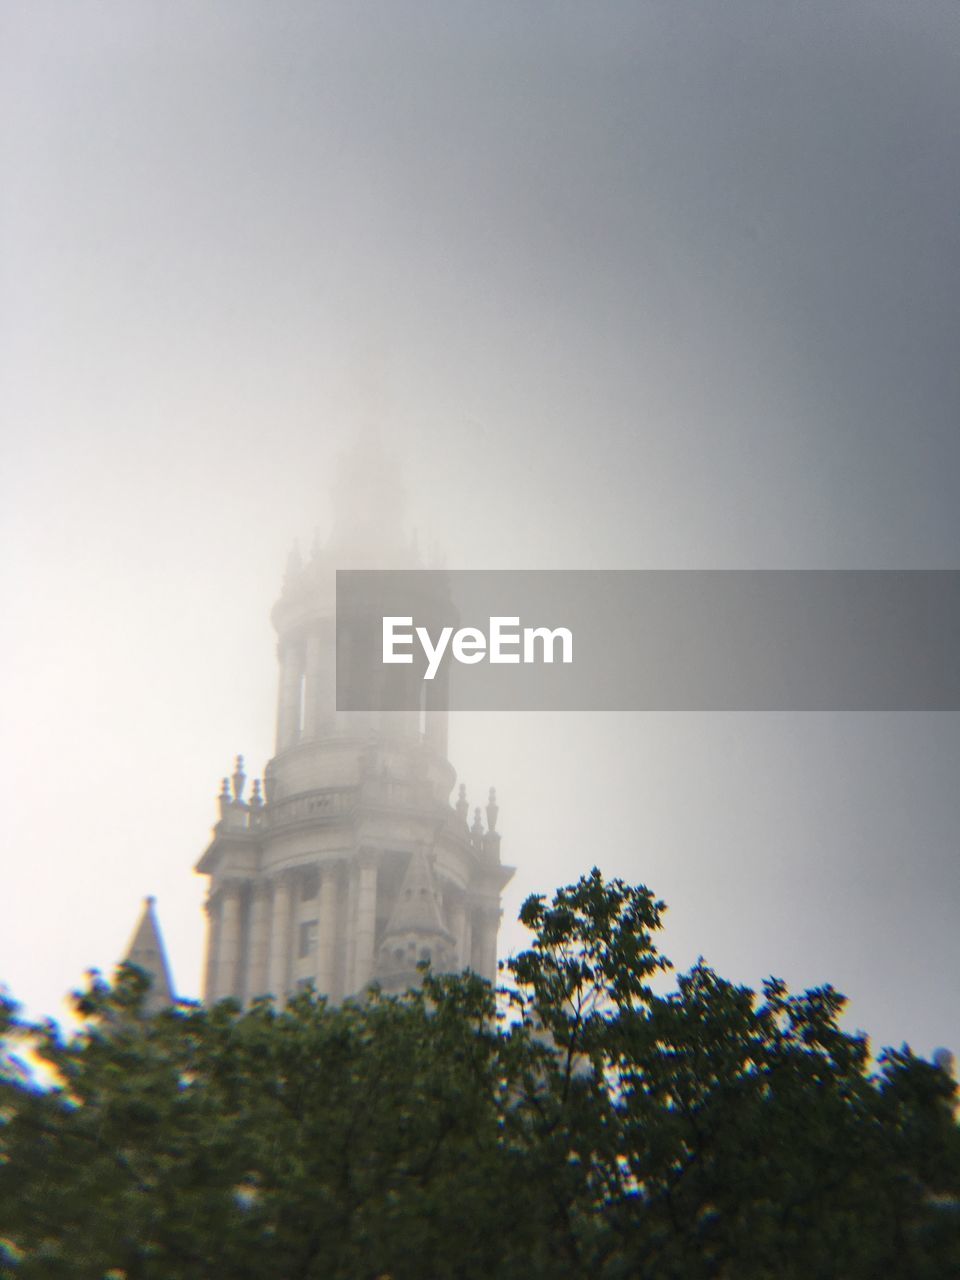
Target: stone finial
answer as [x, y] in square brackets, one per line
[493, 810]
[463, 808]
[224, 797]
[268, 787]
[256, 799]
[239, 781]
[477, 829]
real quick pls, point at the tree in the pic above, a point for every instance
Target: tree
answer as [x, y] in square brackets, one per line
[597, 1126]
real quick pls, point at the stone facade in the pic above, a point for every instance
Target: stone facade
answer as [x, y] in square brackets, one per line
[347, 863]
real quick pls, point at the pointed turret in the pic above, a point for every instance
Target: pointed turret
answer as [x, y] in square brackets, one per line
[147, 952]
[415, 930]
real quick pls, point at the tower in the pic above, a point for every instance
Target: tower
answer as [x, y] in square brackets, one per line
[347, 864]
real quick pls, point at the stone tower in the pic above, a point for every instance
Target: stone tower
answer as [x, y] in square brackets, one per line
[348, 863]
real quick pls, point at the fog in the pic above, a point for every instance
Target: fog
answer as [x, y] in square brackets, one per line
[633, 286]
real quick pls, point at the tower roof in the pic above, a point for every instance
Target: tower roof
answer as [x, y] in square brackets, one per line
[417, 908]
[147, 952]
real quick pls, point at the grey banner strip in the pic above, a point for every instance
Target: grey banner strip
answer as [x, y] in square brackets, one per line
[809, 640]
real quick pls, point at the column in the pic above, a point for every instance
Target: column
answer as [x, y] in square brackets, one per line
[213, 947]
[466, 952]
[228, 951]
[349, 940]
[288, 709]
[312, 699]
[325, 978]
[457, 917]
[326, 692]
[343, 674]
[257, 953]
[280, 944]
[365, 927]
[486, 926]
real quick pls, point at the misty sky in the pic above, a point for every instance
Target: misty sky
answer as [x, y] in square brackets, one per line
[643, 285]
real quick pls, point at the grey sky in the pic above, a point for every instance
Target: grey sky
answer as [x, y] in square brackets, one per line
[638, 285]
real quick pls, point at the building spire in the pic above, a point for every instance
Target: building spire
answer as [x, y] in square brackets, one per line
[415, 928]
[239, 780]
[147, 952]
[417, 908]
[493, 810]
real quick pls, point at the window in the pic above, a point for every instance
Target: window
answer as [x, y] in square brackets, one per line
[309, 885]
[308, 938]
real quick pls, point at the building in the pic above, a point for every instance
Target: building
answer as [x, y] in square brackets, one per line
[347, 863]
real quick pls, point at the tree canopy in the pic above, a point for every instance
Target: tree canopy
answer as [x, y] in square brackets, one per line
[595, 1121]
